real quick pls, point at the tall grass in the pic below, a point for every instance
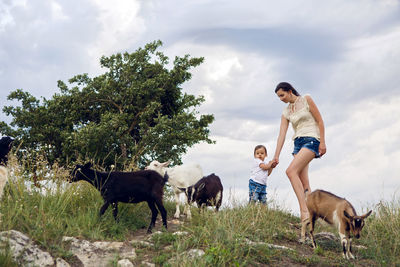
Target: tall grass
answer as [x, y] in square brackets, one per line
[382, 234]
[235, 236]
[48, 213]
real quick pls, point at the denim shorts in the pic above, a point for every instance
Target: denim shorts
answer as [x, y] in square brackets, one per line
[257, 192]
[311, 143]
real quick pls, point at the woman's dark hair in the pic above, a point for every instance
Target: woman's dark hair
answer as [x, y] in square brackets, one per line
[286, 87]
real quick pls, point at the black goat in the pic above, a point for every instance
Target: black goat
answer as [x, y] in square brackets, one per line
[126, 187]
[206, 192]
[5, 147]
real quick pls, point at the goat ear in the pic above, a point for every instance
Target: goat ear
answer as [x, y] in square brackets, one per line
[347, 215]
[87, 165]
[165, 164]
[366, 214]
[201, 186]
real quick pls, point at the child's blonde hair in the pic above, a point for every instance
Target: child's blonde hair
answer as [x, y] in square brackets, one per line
[258, 147]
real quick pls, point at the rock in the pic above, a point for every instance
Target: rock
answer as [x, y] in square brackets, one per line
[98, 254]
[61, 263]
[141, 243]
[145, 263]
[109, 246]
[176, 221]
[179, 233]
[192, 254]
[359, 247]
[25, 252]
[195, 253]
[325, 236]
[125, 263]
[156, 233]
[252, 243]
[278, 247]
[325, 240]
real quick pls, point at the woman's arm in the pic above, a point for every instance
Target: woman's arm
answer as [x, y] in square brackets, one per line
[281, 138]
[318, 118]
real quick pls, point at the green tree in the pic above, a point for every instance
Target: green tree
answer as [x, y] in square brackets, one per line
[134, 112]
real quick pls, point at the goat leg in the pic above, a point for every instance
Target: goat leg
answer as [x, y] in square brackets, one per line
[163, 212]
[187, 211]
[304, 225]
[177, 212]
[349, 250]
[104, 207]
[344, 242]
[115, 210]
[154, 213]
[312, 232]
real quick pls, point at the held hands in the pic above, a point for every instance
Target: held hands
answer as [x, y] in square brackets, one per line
[274, 162]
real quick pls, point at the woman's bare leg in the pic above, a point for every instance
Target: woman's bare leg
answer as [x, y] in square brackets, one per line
[304, 179]
[295, 169]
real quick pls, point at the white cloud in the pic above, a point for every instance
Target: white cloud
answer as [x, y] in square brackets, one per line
[369, 65]
[121, 26]
[57, 11]
[363, 148]
[230, 79]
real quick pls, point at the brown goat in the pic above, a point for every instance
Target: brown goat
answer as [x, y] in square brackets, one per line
[334, 210]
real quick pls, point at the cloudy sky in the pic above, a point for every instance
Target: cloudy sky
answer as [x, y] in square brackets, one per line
[345, 54]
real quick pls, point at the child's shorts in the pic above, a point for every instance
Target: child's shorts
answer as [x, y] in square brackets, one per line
[257, 192]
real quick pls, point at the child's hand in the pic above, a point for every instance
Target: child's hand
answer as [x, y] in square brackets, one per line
[273, 163]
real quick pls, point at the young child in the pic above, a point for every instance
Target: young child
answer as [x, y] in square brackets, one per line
[259, 173]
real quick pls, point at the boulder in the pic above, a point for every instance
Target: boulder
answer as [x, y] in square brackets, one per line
[24, 251]
[99, 254]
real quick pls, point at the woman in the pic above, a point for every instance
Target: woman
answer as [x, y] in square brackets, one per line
[309, 140]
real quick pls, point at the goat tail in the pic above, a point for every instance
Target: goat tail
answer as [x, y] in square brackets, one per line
[166, 177]
[306, 193]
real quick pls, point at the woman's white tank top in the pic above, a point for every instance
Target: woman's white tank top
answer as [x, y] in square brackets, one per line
[303, 122]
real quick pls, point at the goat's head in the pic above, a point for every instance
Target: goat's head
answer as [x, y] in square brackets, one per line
[192, 192]
[189, 192]
[158, 167]
[5, 147]
[77, 173]
[356, 223]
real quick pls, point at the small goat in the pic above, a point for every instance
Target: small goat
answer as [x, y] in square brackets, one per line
[206, 192]
[180, 177]
[334, 210]
[126, 187]
[5, 147]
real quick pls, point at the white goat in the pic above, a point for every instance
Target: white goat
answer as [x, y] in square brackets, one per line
[334, 210]
[3, 179]
[181, 176]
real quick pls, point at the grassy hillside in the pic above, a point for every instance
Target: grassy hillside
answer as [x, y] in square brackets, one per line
[228, 238]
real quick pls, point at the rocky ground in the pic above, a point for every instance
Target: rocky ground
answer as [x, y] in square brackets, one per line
[102, 253]
[86, 253]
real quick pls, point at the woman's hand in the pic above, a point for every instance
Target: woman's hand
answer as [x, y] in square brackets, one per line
[322, 149]
[275, 162]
